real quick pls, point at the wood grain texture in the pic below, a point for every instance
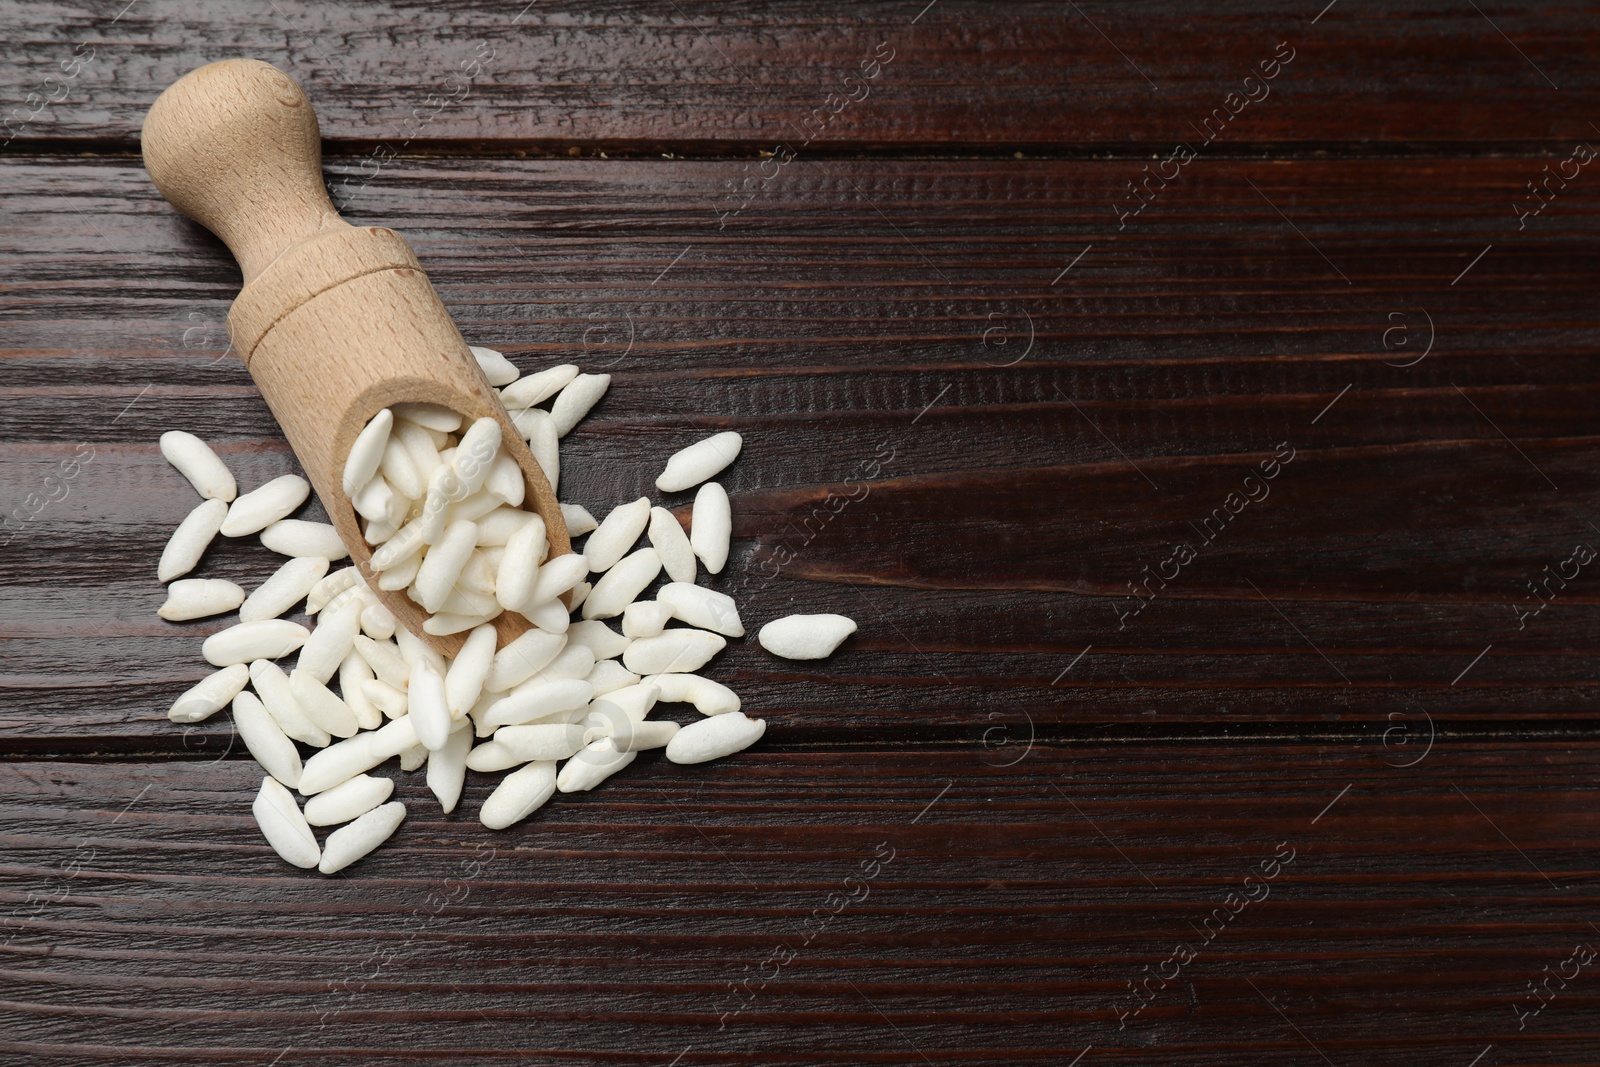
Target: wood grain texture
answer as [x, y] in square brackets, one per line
[398, 76]
[999, 913]
[864, 355]
[980, 395]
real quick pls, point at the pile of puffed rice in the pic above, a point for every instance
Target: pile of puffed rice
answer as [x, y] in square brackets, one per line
[442, 505]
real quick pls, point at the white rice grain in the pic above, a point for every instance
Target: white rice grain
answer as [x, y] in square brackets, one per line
[260, 508]
[574, 402]
[538, 387]
[522, 658]
[622, 584]
[597, 762]
[353, 670]
[519, 795]
[194, 460]
[287, 586]
[267, 639]
[714, 737]
[578, 520]
[609, 675]
[284, 826]
[366, 452]
[541, 741]
[301, 538]
[645, 618]
[711, 526]
[443, 563]
[447, 768]
[598, 638]
[188, 542]
[805, 636]
[705, 608]
[690, 466]
[672, 545]
[489, 757]
[463, 680]
[210, 694]
[332, 640]
[617, 534]
[265, 741]
[519, 569]
[545, 700]
[348, 800]
[426, 707]
[342, 761]
[496, 367]
[352, 841]
[197, 598]
[321, 705]
[708, 697]
[673, 652]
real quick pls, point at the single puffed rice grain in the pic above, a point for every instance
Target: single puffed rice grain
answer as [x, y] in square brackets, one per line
[645, 618]
[321, 705]
[194, 460]
[385, 660]
[447, 768]
[673, 652]
[352, 841]
[284, 826]
[463, 679]
[805, 636]
[522, 658]
[705, 608]
[708, 697]
[672, 545]
[340, 762]
[188, 542]
[541, 701]
[426, 707]
[538, 387]
[541, 741]
[197, 598]
[519, 568]
[489, 757]
[518, 795]
[617, 534]
[332, 640]
[690, 466]
[711, 526]
[558, 575]
[609, 675]
[353, 670]
[288, 585]
[348, 800]
[597, 762]
[434, 417]
[578, 520]
[247, 641]
[265, 741]
[300, 538]
[329, 587]
[598, 638]
[714, 737]
[574, 402]
[260, 508]
[496, 367]
[622, 584]
[366, 452]
[210, 695]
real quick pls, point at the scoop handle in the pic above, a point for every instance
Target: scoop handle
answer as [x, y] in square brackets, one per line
[235, 146]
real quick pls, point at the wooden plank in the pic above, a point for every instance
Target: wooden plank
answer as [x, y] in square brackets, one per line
[1001, 511]
[1033, 76]
[1010, 910]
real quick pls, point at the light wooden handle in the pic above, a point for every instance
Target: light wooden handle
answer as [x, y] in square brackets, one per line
[235, 146]
[335, 322]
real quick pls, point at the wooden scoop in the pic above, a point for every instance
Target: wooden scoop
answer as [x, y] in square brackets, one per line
[335, 322]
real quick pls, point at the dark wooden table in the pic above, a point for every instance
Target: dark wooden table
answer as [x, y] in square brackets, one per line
[1217, 390]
